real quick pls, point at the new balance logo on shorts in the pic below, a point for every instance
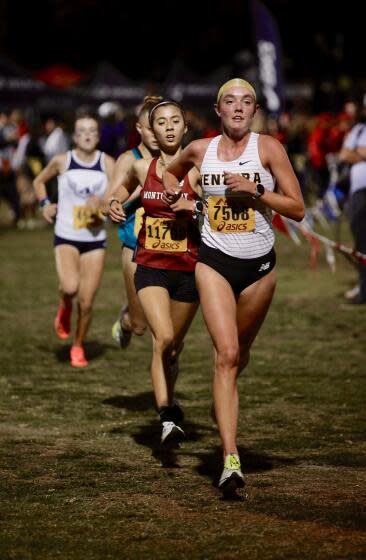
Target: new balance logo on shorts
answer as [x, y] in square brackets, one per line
[264, 266]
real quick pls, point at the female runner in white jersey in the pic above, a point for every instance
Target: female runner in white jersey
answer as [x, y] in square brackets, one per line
[235, 273]
[80, 235]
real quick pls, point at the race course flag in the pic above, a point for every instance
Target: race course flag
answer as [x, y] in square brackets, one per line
[314, 238]
[348, 251]
[268, 49]
[283, 225]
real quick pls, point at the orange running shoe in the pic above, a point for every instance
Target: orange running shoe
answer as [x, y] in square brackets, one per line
[77, 357]
[63, 321]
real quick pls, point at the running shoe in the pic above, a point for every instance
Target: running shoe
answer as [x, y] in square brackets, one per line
[116, 329]
[352, 293]
[77, 357]
[120, 335]
[63, 321]
[231, 477]
[172, 435]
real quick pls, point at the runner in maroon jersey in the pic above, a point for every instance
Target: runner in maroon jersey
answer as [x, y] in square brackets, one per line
[166, 256]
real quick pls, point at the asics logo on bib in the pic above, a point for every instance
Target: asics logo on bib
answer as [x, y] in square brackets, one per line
[264, 266]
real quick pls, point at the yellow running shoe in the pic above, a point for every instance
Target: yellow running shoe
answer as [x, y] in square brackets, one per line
[231, 477]
[120, 335]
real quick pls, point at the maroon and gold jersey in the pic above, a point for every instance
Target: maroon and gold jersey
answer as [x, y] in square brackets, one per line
[167, 239]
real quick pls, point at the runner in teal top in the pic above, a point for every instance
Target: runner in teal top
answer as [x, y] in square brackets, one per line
[131, 318]
[126, 229]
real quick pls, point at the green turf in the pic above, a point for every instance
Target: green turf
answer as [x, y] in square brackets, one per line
[82, 476]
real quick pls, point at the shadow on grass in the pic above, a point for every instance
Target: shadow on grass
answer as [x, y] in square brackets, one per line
[149, 436]
[93, 350]
[137, 402]
[212, 462]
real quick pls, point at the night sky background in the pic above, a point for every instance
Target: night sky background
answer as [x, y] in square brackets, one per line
[317, 39]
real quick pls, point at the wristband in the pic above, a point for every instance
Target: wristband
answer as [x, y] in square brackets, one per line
[44, 201]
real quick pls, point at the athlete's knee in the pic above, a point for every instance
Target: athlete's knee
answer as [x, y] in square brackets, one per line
[227, 356]
[70, 289]
[138, 327]
[85, 305]
[163, 342]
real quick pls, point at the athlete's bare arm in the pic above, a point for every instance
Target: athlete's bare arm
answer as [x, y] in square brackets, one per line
[135, 175]
[122, 165]
[190, 157]
[289, 202]
[182, 203]
[55, 167]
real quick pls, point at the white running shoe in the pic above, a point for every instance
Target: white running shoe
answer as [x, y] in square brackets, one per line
[171, 434]
[231, 477]
[352, 293]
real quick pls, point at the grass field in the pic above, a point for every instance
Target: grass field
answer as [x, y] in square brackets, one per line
[81, 472]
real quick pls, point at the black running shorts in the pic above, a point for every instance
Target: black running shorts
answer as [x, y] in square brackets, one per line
[240, 273]
[181, 285]
[81, 246]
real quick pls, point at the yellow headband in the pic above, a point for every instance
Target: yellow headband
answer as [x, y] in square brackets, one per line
[236, 82]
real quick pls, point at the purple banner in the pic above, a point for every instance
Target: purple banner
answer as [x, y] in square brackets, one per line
[268, 47]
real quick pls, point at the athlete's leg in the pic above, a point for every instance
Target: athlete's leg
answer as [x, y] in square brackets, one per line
[91, 270]
[68, 271]
[155, 302]
[219, 311]
[182, 314]
[252, 306]
[67, 266]
[133, 319]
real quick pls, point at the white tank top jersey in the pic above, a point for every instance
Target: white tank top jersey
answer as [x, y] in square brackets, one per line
[357, 139]
[242, 234]
[76, 221]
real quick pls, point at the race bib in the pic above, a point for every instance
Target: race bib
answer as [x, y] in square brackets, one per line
[86, 217]
[166, 235]
[138, 221]
[233, 218]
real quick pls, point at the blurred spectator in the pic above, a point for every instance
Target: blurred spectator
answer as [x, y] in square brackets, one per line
[17, 118]
[113, 139]
[297, 136]
[318, 148]
[28, 161]
[354, 152]
[8, 143]
[54, 141]
[199, 126]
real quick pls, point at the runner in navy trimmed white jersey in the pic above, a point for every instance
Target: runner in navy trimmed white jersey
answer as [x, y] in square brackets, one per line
[80, 235]
[131, 318]
[235, 271]
[166, 257]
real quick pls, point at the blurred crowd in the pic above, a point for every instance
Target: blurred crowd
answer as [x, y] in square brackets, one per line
[28, 141]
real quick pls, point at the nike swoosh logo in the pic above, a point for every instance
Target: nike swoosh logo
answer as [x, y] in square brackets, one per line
[244, 162]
